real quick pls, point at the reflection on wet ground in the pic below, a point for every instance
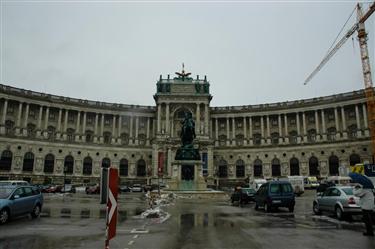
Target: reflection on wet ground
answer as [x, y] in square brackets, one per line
[85, 213]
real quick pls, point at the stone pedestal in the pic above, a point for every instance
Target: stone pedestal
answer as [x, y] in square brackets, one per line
[177, 181]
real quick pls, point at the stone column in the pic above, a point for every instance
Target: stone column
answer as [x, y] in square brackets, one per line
[286, 136]
[113, 129]
[18, 122]
[25, 120]
[262, 129]
[317, 125]
[280, 129]
[148, 131]
[365, 121]
[233, 131]
[298, 128]
[337, 123]
[216, 131]
[228, 138]
[344, 128]
[359, 132]
[131, 130]
[45, 132]
[136, 130]
[206, 119]
[244, 131]
[250, 130]
[268, 130]
[39, 128]
[77, 136]
[102, 128]
[119, 123]
[84, 123]
[324, 131]
[304, 126]
[198, 122]
[158, 121]
[65, 125]
[167, 130]
[5, 109]
[96, 128]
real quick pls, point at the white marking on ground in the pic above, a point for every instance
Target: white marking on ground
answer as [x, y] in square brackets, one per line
[135, 236]
[131, 242]
[138, 230]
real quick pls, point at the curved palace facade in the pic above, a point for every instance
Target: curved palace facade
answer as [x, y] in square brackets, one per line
[48, 138]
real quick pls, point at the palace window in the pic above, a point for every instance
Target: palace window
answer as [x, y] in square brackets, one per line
[70, 134]
[31, 128]
[52, 116]
[331, 117]
[274, 122]
[311, 136]
[331, 133]
[293, 137]
[257, 139]
[51, 132]
[107, 122]
[90, 119]
[10, 109]
[107, 137]
[9, 127]
[239, 140]
[32, 113]
[311, 119]
[351, 115]
[292, 121]
[70, 118]
[275, 138]
[352, 131]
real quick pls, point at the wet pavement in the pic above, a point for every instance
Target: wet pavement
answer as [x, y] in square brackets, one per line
[78, 221]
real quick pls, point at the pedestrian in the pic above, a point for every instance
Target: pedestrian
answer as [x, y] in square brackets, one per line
[366, 202]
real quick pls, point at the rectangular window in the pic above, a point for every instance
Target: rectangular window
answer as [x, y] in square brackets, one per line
[274, 122]
[70, 118]
[52, 116]
[311, 119]
[292, 121]
[204, 164]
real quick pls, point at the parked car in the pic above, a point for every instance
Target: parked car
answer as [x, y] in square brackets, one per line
[275, 194]
[124, 188]
[68, 188]
[93, 189]
[137, 188]
[53, 189]
[338, 200]
[14, 182]
[19, 200]
[243, 195]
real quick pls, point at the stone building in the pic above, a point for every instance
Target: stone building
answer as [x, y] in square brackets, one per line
[48, 138]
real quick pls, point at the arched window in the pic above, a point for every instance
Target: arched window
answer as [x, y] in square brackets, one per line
[311, 135]
[293, 137]
[222, 140]
[142, 139]
[68, 165]
[240, 168]
[9, 127]
[141, 167]
[70, 135]
[258, 169]
[6, 160]
[124, 168]
[87, 166]
[223, 168]
[106, 162]
[294, 167]
[275, 138]
[124, 139]
[331, 134]
[49, 163]
[276, 168]
[239, 139]
[314, 166]
[31, 130]
[28, 162]
[89, 136]
[354, 159]
[352, 131]
[257, 139]
[333, 162]
[107, 137]
[51, 132]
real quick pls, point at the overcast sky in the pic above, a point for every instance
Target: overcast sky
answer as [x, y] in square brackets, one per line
[114, 51]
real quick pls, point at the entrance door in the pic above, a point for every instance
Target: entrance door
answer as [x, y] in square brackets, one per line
[187, 172]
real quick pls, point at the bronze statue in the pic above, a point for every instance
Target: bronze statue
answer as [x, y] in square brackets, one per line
[188, 130]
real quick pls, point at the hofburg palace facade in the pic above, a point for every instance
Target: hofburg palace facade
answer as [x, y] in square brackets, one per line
[51, 139]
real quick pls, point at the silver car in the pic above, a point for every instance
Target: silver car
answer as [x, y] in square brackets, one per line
[338, 200]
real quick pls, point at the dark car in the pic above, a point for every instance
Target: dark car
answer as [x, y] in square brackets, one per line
[243, 195]
[19, 200]
[275, 194]
[124, 188]
[53, 189]
[93, 189]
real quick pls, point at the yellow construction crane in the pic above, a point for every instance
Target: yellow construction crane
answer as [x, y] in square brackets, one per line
[359, 26]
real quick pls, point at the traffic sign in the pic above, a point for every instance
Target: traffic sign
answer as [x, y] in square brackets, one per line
[112, 203]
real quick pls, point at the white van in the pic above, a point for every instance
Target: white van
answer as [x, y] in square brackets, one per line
[311, 182]
[13, 182]
[298, 184]
[257, 183]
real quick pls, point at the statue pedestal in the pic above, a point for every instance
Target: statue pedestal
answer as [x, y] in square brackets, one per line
[187, 176]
